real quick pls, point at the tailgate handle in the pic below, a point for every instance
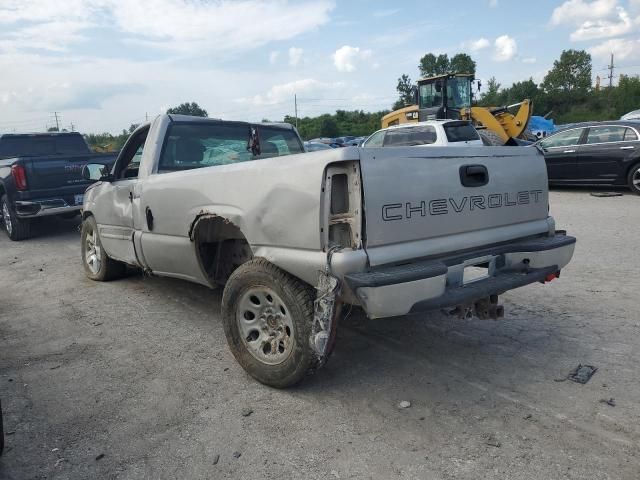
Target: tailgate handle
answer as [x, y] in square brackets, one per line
[474, 175]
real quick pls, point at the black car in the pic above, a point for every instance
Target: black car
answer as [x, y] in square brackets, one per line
[597, 153]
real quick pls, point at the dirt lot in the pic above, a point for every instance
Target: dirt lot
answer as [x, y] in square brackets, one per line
[133, 379]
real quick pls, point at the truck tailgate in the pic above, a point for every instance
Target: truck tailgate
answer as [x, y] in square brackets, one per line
[421, 202]
[55, 171]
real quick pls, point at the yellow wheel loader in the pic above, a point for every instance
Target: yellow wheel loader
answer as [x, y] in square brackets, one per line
[450, 96]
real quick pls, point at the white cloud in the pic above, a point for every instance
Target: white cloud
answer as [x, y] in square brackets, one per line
[505, 48]
[529, 60]
[623, 49]
[573, 12]
[273, 57]
[346, 58]
[595, 19]
[284, 92]
[602, 28]
[295, 56]
[181, 25]
[493, 3]
[479, 44]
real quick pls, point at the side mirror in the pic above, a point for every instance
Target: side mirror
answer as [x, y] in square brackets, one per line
[95, 172]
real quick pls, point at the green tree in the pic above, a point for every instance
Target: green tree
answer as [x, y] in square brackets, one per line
[492, 96]
[405, 92]
[626, 95]
[329, 127]
[462, 63]
[189, 109]
[571, 73]
[431, 65]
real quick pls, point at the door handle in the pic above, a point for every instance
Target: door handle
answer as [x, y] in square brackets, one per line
[474, 175]
[569, 151]
[626, 148]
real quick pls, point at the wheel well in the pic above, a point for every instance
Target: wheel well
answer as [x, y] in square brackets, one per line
[633, 165]
[221, 247]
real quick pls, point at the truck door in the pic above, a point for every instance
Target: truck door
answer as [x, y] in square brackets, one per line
[114, 214]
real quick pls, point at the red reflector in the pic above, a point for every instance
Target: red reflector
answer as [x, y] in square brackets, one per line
[551, 276]
[19, 177]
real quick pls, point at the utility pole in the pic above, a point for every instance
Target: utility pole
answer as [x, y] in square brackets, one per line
[57, 123]
[146, 117]
[610, 67]
[295, 103]
[72, 127]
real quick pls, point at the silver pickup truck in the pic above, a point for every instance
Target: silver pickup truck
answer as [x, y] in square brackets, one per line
[293, 236]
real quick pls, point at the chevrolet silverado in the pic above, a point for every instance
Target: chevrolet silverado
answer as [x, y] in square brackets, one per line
[293, 236]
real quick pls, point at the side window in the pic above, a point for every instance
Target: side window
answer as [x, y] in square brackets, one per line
[430, 96]
[630, 135]
[277, 142]
[128, 163]
[606, 134]
[563, 139]
[410, 136]
[375, 140]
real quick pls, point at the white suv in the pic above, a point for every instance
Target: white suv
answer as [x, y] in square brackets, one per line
[432, 133]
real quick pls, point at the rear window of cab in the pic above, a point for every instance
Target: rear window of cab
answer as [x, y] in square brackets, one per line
[460, 132]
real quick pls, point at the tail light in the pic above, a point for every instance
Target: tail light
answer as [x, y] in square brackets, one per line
[19, 177]
[342, 206]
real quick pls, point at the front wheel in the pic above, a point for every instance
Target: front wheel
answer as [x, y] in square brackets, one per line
[97, 264]
[267, 316]
[634, 179]
[15, 228]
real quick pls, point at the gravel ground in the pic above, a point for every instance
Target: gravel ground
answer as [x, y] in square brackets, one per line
[133, 379]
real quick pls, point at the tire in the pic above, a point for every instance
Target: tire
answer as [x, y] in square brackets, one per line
[264, 307]
[16, 228]
[633, 179]
[490, 138]
[97, 264]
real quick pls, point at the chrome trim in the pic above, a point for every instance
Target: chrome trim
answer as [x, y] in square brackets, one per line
[47, 208]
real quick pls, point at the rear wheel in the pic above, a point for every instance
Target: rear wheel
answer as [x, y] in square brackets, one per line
[490, 138]
[97, 264]
[634, 179]
[16, 228]
[267, 316]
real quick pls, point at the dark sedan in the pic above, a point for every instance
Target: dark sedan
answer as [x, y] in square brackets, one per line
[598, 153]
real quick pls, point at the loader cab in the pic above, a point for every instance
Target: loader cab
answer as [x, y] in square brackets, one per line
[443, 96]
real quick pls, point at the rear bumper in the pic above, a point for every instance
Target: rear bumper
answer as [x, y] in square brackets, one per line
[43, 208]
[396, 290]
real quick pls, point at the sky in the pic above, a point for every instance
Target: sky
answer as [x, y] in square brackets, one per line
[103, 65]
